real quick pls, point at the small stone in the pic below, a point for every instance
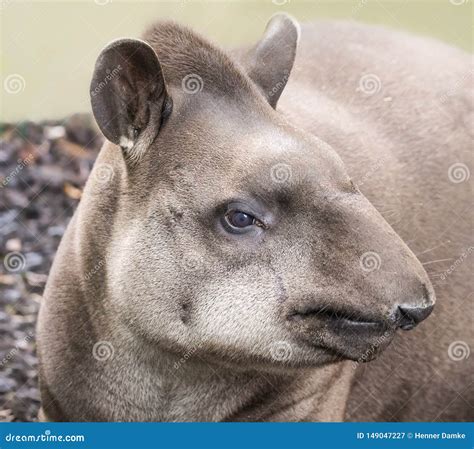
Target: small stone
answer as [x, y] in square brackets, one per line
[36, 279]
[11, 296]
[7, 384]
[34, 260]
[7, 279]
[54, 132]
[56, 231]
[13, 245]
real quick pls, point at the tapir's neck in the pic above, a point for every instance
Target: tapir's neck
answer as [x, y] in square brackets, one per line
[168, 387]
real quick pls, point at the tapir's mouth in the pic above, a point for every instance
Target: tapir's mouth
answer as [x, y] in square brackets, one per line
[340, 319]
[335, 316]
[349, 335]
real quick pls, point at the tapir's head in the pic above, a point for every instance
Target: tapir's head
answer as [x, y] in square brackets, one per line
[238, 237]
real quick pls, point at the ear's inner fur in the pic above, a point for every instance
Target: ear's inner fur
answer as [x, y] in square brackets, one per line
[129, 95]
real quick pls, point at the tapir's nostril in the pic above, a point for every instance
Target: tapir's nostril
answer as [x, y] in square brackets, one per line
[409, 316]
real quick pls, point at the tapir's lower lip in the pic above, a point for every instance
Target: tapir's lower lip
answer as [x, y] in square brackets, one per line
[361, 352]
[361, 347]
[349, 336]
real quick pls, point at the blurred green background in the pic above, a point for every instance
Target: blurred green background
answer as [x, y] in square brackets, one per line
[49, 48]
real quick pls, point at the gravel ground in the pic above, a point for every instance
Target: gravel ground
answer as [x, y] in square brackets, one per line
[43, 168]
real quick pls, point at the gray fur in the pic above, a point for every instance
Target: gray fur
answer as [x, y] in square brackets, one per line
[202, 324]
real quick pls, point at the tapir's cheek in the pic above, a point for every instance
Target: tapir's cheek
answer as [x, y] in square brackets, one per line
[237, 308]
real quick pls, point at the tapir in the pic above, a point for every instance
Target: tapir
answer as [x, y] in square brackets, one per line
[265, 231]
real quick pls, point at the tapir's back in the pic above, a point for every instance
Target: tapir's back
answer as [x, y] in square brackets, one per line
[399, 111]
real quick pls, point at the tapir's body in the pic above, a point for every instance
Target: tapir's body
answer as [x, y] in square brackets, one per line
[398, 111]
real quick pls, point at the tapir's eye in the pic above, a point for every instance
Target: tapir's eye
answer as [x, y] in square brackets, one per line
[238, 221]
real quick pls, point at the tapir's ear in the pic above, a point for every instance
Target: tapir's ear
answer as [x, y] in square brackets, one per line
[269, 63]
[128, 95]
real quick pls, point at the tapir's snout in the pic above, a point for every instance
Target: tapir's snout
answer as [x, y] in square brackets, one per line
[404, 316]
[408, 316]
[352, 328]
[352, 331]
[359, 315]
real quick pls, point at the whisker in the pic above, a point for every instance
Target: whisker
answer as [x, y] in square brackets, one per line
[436, 261]
[431, 249]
